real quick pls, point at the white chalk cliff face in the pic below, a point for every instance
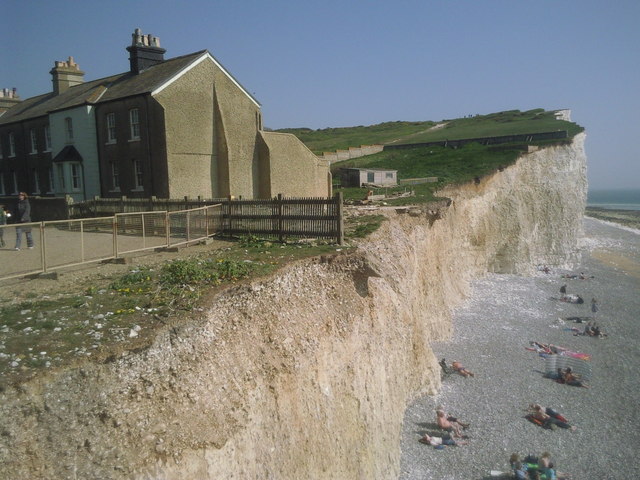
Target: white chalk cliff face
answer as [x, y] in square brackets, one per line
[305, 374]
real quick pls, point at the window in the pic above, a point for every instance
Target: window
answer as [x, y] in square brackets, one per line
[1, 150]
[47, 139]
[371, 177]
[115, 176]
[36, 181]
[111, 128]
[134, 124]
[76, 176]
[12, 145]
[68, 129]
[2, 183]
[34, 140]
[137, 167]
[14, 178]
[61, 182]
[388, 175]
[51, 184]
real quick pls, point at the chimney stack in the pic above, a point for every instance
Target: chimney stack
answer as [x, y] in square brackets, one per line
[144, 52]
[66, 75]
[8, 98]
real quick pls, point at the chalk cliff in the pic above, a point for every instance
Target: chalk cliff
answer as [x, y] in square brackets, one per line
[305, 374]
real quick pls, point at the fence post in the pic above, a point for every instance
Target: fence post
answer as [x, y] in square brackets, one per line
[114, 226]
[340, 220]
[167, 227]
[280, 220]
[43, 251]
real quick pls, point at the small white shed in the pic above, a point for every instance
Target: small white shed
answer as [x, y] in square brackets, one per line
[356, 177]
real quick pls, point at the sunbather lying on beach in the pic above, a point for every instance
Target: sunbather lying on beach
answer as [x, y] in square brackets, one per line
[575, 276]
[444, 440]
[449, 423]
[547, 417]
[546, 349]
[592, 329]
[572, 298]
[533, 467]
[567, 376]
[458, 367]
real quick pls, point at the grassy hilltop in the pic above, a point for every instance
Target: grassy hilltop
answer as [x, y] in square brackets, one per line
[448, 164]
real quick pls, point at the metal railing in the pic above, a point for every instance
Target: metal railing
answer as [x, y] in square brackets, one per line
[67, 243]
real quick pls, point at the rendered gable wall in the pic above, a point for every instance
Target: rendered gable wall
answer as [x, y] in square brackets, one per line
[189, 126]
[239, 117]
[293, 169]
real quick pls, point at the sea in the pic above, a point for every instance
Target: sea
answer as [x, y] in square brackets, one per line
[615, 199]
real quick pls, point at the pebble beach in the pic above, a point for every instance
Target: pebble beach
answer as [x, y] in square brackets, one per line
[491, 332]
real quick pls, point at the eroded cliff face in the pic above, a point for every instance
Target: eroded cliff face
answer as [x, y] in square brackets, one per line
[305, 374]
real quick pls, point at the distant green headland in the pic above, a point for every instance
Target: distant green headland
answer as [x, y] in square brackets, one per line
[451, 165]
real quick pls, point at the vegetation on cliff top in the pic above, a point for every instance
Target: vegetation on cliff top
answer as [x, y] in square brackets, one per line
[511, 122]
[122, 310]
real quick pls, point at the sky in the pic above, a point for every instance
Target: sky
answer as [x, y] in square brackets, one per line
[340, 63]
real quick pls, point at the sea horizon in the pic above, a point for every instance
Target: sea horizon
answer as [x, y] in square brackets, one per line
[614, 198]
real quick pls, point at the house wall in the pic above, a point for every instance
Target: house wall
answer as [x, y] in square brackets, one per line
[84, 140]
[240, 120]
[190, 125]
[25, 164]
[124, 151]
[294, 170]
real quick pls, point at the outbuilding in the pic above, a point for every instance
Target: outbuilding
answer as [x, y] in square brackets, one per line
[356, 177]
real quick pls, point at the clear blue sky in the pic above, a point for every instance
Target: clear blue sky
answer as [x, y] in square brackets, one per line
[331, 63]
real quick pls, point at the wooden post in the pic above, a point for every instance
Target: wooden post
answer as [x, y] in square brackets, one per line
[280, 220]
[340, 220]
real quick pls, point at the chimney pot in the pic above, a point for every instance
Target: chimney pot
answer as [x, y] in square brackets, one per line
[144, 51]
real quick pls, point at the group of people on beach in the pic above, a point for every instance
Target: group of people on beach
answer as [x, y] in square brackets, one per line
[452, 428]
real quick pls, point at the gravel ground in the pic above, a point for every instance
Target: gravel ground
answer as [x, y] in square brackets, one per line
[492, 329]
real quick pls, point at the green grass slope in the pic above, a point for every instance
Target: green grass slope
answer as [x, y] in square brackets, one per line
[450, 165]
[510, 122]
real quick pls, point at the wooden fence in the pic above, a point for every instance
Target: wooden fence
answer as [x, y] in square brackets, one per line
[278, 217]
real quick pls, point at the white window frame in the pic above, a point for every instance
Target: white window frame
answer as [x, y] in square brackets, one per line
[68, 129]
[138, 175]
[111, 128]
[36, 181]
[60, 174]
[14, 178]
[76, 176]
[134, 124]
[47, 138]
[52, 185]
[12, 145]
[115, 177]
[33, 137]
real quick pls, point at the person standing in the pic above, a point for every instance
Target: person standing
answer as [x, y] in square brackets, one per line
[594, 307]
[23, 215]
[3, 221]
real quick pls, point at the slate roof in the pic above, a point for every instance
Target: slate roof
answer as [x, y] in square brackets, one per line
[103, 90]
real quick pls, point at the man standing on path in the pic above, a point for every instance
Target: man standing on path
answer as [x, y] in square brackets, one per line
[23, 215]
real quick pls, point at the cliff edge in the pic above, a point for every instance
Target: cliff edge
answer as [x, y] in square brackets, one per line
[305, 374]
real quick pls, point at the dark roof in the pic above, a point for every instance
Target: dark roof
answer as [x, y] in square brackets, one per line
[365, 169]
[101, 90]
[68, 154]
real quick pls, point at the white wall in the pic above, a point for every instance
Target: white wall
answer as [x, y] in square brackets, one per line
[85, 141]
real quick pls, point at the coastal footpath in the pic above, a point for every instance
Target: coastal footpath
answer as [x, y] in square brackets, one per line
[307, 373]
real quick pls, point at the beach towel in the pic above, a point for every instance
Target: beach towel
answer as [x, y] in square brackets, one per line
[580, 367]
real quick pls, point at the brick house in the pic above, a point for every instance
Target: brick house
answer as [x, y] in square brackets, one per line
[168, 128]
